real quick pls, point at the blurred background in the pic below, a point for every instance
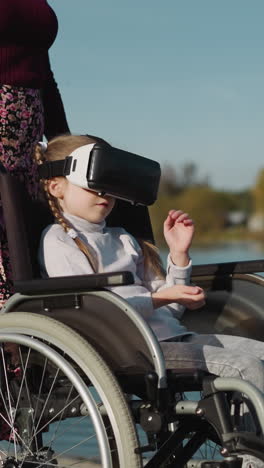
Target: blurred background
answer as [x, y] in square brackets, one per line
[181, 82]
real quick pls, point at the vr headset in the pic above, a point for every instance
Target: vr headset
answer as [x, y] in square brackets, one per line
[108, 171]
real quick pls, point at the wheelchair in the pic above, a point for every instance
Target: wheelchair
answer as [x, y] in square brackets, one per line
[83, 378]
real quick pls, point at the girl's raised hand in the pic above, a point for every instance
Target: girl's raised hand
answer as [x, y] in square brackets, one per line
[178, 232]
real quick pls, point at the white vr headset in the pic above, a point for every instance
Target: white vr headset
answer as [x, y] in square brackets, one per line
[109, 171]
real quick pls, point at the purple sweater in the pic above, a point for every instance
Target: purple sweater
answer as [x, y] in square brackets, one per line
[27, 30]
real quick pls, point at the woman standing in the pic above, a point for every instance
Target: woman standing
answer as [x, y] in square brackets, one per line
[30, 102]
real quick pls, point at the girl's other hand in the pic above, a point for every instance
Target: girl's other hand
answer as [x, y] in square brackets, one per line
[178, 232]
[192, 297]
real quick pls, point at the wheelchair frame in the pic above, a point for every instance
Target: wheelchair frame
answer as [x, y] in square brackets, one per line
[156, 387]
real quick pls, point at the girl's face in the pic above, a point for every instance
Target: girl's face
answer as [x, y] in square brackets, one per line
[80, 202]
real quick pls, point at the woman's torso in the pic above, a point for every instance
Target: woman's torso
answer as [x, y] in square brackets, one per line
[27, 30]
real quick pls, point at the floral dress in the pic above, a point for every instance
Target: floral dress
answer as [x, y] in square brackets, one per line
[21, 127]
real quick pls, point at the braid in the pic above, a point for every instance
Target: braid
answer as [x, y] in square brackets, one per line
[84, 248]
[152, 258]
[57, 213]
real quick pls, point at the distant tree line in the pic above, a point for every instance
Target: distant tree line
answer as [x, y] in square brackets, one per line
[258, 193]
[184, 189]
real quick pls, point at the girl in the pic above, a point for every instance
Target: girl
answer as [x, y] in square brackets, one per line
[82, 244]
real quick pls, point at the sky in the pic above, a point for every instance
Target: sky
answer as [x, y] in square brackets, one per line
[177, 81]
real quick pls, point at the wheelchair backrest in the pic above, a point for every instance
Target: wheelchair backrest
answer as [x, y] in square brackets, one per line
[24, 221]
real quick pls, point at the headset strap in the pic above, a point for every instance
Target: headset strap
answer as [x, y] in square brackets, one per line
[58, 168]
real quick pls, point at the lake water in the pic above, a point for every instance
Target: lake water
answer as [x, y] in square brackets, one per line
[225, 252]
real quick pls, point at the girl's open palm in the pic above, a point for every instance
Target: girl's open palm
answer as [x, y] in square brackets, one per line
[178, 231]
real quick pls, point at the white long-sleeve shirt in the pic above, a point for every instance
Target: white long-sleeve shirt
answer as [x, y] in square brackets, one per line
[115, 250]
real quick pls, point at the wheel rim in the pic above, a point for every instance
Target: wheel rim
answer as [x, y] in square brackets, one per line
[38, 429]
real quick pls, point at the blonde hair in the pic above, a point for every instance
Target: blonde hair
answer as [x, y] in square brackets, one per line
[60, 147]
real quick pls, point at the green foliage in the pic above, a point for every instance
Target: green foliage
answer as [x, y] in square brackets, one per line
[237, 201]
[243, 200]
[183, 189]
[258, 193]
[205, 206]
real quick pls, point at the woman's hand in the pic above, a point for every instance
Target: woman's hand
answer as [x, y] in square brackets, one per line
[192, 297]
[178, 233]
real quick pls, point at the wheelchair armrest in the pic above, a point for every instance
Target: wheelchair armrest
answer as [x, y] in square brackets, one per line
[73, 283]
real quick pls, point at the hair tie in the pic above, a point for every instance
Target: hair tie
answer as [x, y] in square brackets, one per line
[43, 145]
[72, 233]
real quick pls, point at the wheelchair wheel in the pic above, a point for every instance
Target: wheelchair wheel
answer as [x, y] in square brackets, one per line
[208, 452]
[211, 450]
[63, 430]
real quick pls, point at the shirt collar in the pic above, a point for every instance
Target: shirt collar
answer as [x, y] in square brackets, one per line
[82, 225]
